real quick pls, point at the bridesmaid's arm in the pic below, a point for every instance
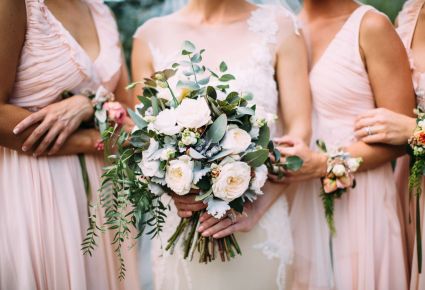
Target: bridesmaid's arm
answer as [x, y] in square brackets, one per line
[390, 77]
[389, 74]
[13, 23]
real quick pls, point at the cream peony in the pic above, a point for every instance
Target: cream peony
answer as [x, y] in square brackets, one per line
[179, 175]
[354, 164]
[236, 140]
[233, 181]
[260, 179]
[193, 114]
[166, 123]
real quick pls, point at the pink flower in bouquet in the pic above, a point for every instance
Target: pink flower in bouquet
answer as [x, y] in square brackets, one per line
[420, 137]
[116, 112]
[100, 146]
[329, 185]
[345, 181]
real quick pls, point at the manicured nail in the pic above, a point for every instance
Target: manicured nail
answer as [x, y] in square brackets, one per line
[24, 148]
[200, 229]
[206, 234]
[16, 130]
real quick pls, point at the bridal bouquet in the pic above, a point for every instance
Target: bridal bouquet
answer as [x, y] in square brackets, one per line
[193, 134]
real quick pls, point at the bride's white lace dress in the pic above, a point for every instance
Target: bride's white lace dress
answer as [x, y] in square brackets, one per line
[249, 49]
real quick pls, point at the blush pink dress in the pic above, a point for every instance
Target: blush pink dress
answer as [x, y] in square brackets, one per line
[367, 251]
[43, 205]
[407, 21]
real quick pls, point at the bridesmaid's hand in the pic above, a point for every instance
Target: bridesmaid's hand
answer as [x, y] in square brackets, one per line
[224, 227]
[187, 204]
[314, 163]
[57, 122]
[384, 126]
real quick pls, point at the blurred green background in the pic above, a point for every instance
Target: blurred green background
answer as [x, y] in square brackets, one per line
[132, 13]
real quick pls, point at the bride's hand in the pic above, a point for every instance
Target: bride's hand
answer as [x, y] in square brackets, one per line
[57, 122]
[384, 126]
[224, 227]
[314, 163]
[187, 204]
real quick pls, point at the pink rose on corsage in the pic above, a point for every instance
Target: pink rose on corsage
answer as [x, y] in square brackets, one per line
[329, 185]
[116, 112]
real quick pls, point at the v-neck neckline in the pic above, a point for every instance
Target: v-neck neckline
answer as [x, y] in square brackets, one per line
[73, 39]
[330, 44]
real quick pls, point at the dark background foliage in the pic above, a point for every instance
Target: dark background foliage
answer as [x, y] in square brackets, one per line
[132, 13]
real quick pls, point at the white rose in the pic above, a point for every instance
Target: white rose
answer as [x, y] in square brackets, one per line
[193, 114]
[338, 170]
[237, 140]
[233, 181]
[260, 179]
[263, 117]
[179, 175]
[421, 124]
[353, 164]
[166, 123]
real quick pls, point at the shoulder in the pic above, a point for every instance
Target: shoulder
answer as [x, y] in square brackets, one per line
[153, 27]
[376, 24]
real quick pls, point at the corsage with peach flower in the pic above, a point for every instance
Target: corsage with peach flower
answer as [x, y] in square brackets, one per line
[338, 179]
[417, 170]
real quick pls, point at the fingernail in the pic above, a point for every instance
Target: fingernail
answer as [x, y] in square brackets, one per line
[34, 155]
[16, 131]
[24, 148]
[216, 236]
[206, 234]
[200, 229]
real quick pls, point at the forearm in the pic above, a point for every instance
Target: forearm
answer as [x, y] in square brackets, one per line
[82, 141]
[375, 155]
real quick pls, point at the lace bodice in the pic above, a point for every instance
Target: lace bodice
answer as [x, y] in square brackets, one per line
[250, 56]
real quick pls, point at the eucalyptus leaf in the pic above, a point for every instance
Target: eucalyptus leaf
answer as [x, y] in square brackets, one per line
[245, 111]
[256, 158]
[220, 155]
[204, 81]
[195, 154]
[188, 46]
[226, 78]
[264, 136]
[187, 84]
[196, 58]
[155, 106]
[217, 130]
[293, 163]
[223, 67]
[140, 123]
[211, 92]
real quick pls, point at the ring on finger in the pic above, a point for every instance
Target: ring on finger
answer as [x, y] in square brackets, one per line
[231, 216]
[369, 131]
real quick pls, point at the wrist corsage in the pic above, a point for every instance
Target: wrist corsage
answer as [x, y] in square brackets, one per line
[417, 170]
[338, 179]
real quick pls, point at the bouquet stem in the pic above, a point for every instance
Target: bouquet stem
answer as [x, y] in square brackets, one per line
[227, 247]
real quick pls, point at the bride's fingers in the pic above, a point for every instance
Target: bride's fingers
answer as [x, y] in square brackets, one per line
[375, 138]
[29, 121]
[189, 206]
[184, 214]
[190, 198]
[227, 231]
[365, 122]
[204, 217]
[207, 224]
[217, 227]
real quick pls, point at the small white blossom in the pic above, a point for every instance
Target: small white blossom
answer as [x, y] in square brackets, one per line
[338, 170]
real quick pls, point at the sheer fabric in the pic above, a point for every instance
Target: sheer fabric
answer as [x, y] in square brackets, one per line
[249, 49]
